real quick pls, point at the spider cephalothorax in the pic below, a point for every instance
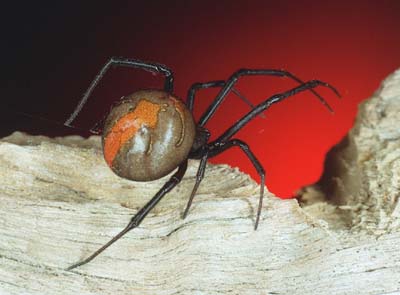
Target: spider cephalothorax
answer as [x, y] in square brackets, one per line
[150, 133]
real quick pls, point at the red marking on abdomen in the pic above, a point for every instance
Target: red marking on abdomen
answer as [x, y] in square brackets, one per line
[145, 113]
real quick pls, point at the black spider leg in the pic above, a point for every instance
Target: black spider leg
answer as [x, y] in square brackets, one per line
[199, 178]
[123, 62]
[204, 157]
[196, 86]
[267, 103]
[250, 72]
[218, 83]
[138, 218]
[216, 148]
[223, 142]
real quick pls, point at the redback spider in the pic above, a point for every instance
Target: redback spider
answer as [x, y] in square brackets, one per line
[150, 133]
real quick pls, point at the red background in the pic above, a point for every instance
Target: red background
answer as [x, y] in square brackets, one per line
[54, 51]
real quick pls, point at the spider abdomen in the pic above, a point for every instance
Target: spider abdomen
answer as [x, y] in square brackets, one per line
[147, 135]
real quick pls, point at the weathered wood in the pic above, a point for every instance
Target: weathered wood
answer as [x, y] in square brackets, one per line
[362, 173]
[60, 202]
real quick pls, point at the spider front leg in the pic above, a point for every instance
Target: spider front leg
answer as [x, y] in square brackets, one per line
[216, 148]
[264, 105]
[139, 216]
[122, 62]
[197, 86]
[219, 147]
[210, 84]
[224, 141]
[250, 72]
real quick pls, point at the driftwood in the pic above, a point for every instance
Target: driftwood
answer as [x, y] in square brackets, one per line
[59, 202]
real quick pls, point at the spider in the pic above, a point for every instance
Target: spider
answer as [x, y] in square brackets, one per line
[151, 132]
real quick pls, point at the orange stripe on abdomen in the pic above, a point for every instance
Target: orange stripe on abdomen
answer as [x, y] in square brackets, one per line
[145, 113]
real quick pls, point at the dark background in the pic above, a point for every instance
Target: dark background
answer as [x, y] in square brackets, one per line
[51, 51]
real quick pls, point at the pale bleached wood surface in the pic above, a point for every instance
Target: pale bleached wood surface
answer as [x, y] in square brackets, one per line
[60, 202]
